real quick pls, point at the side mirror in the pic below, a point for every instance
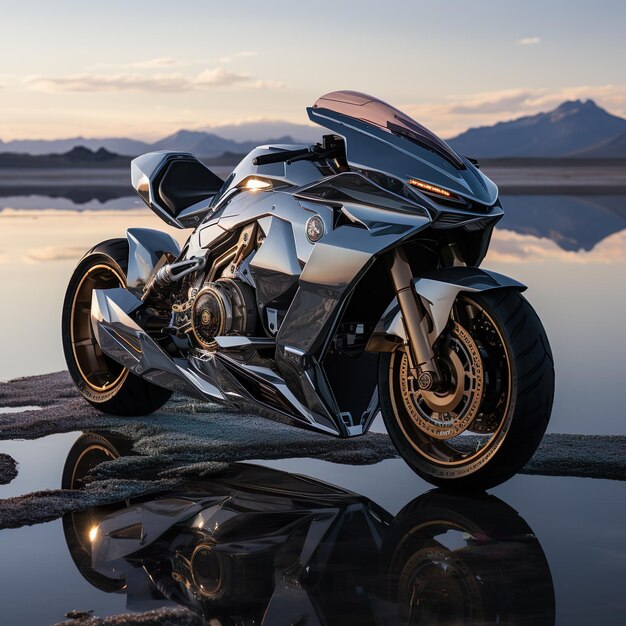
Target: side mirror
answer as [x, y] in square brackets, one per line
[175, 185]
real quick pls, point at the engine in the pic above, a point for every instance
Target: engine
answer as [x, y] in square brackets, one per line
[224, 307]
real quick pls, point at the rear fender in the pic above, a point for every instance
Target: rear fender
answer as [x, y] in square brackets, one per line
[437, 290]
[145, 248]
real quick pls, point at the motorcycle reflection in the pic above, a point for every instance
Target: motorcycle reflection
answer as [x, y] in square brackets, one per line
[260, 546]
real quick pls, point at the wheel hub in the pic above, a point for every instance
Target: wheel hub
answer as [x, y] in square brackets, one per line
[447, 413]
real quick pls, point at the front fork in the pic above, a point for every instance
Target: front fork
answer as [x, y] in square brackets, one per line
[415, 322]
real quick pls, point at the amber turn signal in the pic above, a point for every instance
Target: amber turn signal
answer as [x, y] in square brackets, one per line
[430, 188]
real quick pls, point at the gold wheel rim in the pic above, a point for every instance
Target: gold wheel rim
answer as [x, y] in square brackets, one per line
[496, 438]
[85, 349]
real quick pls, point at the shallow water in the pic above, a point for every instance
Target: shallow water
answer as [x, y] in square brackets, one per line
[360, 558]
[39, 463]
[570, 251]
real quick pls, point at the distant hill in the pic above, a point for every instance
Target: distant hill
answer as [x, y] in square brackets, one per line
[257, 132]
[117, 145]
[236, 139]
[575, 128]
[208, 144]
[76, 157]
[102, 159]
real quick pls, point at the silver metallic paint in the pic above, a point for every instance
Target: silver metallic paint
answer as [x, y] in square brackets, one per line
[438, 296]
[208, 378]
[145, 248]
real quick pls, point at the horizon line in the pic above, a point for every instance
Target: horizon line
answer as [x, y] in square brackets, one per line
[211, 130]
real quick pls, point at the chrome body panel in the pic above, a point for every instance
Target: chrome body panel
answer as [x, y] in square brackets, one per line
[438, 290]
[212, 376]
[297, 174]
[193, 215]
[145, 248]
[240, 342]
[143, 172]
[275, 268]
[121, 338]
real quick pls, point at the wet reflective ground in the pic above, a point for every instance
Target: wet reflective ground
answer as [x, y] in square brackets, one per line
[368, 545]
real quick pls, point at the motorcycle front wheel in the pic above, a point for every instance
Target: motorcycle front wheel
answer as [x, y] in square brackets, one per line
[487, 421]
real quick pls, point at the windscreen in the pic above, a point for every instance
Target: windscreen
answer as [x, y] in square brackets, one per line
[374, 111]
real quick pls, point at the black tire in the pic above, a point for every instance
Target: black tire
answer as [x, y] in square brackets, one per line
[90, 450]
[455, 559]
[105, 384]
[530, 393]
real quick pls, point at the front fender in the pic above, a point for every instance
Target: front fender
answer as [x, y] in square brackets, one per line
[438, 290]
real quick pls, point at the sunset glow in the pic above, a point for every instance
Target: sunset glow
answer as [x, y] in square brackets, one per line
[147, 69]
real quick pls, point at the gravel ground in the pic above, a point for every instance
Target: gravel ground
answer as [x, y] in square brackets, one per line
[182, 432]
[8, 469]
[161, 617]
[188, 438]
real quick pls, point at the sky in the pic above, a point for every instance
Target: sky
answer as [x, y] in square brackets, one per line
[145, 69]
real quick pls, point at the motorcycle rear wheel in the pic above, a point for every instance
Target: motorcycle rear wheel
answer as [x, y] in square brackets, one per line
[488, 423]
[105, 384]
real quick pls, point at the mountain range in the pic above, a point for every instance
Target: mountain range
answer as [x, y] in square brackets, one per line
[575, 129]
[237, 139]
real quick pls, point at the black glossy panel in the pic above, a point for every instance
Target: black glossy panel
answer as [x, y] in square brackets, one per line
[273, 289]
[309, 319]
[185, 182]
[350, 187]
[354, 381]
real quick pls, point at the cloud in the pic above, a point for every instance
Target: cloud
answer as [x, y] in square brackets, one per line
[144, 64]
[494, 102]
[528, 41]
[219, 77]
[158, 62]
[268, 84]
[238, 55]
[118, 82]
[459, 111]
[152, 83]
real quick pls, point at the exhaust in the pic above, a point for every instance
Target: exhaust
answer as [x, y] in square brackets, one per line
[170, 273]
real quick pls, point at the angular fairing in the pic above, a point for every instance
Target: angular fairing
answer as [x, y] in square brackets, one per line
[379, 113]
[175, 185]
[380, 137]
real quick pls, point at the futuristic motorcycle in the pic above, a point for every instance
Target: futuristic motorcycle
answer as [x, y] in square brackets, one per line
[325, 283]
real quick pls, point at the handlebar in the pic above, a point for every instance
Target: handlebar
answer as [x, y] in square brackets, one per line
[279, 157]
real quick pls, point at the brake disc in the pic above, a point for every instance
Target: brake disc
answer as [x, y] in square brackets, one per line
[443, 415]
